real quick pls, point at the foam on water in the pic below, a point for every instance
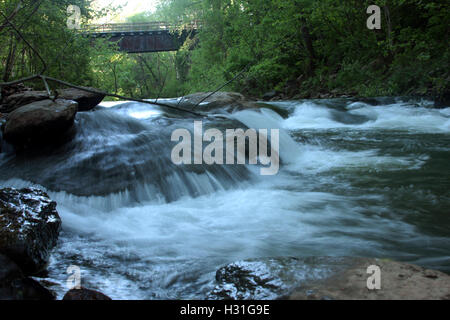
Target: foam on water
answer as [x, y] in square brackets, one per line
[398, 116]
[141, 245]
[160, 238]
[315, 159]
[268, 119]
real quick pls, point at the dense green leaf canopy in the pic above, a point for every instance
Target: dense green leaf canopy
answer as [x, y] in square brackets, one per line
[301, 47]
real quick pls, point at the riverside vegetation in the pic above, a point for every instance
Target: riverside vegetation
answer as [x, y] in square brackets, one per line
[300, 48]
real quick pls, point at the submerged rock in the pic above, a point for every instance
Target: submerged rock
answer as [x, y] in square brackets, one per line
[86, 100]
[29, 227]
[15, 286]
[85, 294]
[40, 123]
[399, 281]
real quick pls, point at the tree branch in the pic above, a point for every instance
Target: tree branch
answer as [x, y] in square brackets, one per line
[221, 87]
[95, 91]
[11, 16]
[44, 68]
[119, 96]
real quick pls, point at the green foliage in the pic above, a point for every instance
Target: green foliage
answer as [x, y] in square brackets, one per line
[301, 46]
[268, 36]
[43, 24]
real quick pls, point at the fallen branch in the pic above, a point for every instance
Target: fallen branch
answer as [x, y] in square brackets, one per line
[95, 91]
[119, 96]
[221, 87]
[67, 84]
[11, 83]
[47, 88]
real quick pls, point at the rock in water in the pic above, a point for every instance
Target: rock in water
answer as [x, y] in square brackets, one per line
[86, 100]
[17, 100]
[225, 102]
[324, 278]
[218, 100]
[40, 123]
[84, 294]
[271, 278]
[15, 286]
[270, 95]
[29, 227]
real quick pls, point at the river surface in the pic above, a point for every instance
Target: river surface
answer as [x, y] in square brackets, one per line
[355, 180]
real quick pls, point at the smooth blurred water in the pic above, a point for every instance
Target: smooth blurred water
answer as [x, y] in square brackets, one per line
[356, 180]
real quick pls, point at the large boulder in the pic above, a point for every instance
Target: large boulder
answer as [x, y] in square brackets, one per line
[12, 89]
[224, 102]
[15, 286]
[86, 100]
[85, 294]
[40, 123]
[16, 99]
[19, 99]
[204, 101]
[270, 95]
[29, 227]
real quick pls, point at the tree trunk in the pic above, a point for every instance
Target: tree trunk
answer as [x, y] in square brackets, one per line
[309, 45]
[10, 60]
[387, 16]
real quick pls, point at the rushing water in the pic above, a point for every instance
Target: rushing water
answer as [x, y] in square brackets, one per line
[356, 180]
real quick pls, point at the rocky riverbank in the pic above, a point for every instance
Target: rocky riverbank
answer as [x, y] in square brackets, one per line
[31, 119]
[29, 230]
[328, 278]
[293, 90]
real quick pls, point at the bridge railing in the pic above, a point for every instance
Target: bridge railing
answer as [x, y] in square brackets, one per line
[132, 27]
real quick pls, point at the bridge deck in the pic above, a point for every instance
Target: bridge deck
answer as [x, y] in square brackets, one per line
[142, 37]
[133, 27]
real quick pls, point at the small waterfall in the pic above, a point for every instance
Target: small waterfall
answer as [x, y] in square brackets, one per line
[356, 180]
[269, 119]
[124, 153]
